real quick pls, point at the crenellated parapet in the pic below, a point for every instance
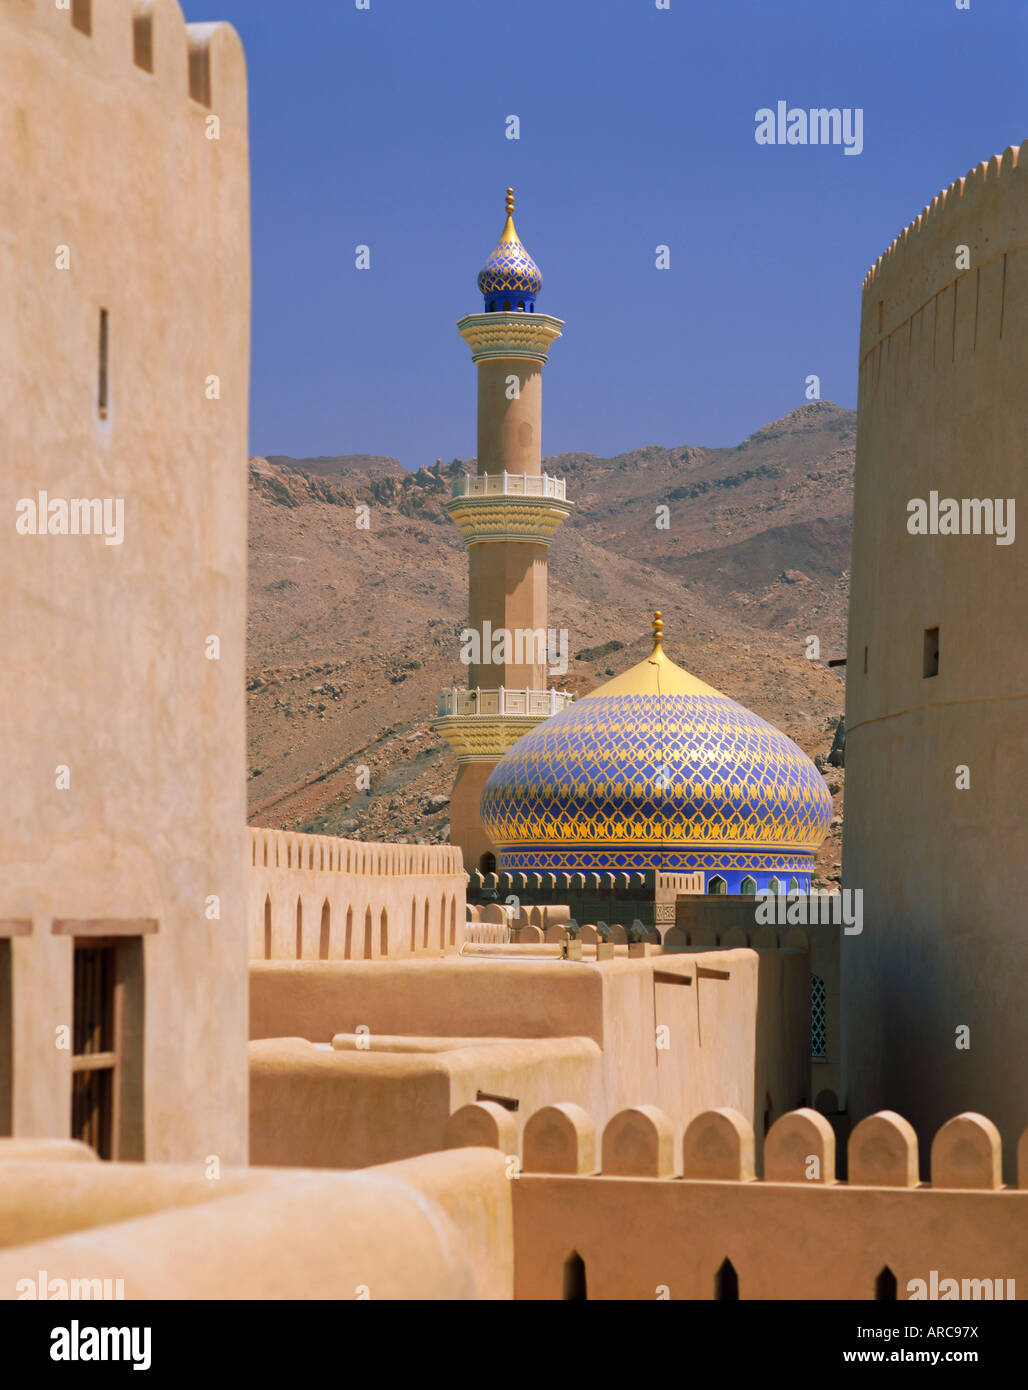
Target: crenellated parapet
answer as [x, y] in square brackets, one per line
[289, 849]
[640, 1208]
[983, 211]
[718, 1145]
[318, 897]
[137, 40]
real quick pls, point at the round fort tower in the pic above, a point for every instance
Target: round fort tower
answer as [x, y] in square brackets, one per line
[937, 668]
[507, 513]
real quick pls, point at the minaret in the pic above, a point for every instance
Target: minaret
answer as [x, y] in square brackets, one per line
[507, 514]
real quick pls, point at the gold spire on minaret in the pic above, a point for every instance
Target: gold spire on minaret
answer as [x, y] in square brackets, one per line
[509, 234]
[658, 631]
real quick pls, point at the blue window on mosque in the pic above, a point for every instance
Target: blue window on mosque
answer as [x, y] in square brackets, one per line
[818, 1027]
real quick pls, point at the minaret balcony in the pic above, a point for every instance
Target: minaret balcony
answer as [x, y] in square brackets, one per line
[515, 334]
[479, 702]
[482, 725]
[508, 507]
[510, 485]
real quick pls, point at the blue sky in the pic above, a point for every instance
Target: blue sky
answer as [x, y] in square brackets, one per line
[386, 127]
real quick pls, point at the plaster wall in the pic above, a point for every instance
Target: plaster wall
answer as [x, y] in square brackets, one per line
[734, 1032]
[714, 920]
[348, 1109]
[107, 670]
[507, 587]
[942, 406]
[510, 430]
[437, 1229]
[466, 828]
[785, 1240]
[317, 897]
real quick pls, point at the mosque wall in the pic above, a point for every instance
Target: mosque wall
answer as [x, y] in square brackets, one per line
[125, 270]
[937, 666]
[621, 898]
[318, 897]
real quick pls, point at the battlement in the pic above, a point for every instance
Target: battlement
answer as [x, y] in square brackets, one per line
[114, 39]
[961, 191]
[318, 897]
[719, 1146]
[288, 849]
[643, 1212]
[985, 212]
[503, 883]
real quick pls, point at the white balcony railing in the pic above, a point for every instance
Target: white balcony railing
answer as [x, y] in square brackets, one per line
[541, 703]
[509, 485]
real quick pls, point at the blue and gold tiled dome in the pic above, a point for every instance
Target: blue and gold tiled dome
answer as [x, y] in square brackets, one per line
[656, 770]
[510, 279]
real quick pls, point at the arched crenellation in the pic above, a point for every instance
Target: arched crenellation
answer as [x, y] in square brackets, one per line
[575, 1288]
[325, 934]
[726, 1283]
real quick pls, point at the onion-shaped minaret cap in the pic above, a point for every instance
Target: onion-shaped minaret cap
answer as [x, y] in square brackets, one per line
[510, 279]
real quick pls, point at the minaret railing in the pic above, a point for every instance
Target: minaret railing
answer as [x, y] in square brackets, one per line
[510, 485]
[502, 701]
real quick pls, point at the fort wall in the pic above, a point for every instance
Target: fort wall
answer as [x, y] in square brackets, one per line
[125, 266]
[942, 407]
[317, 897]
[684, 1032]
[657, 1212]
[436, 1229]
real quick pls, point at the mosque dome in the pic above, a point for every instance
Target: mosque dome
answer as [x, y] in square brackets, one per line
[656, 770]
[510, 279]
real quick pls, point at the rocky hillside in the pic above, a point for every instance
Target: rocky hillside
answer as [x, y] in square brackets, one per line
[352, 631]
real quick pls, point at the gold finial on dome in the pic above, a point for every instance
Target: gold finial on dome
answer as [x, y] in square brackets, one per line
[509, 233]
[656, 675]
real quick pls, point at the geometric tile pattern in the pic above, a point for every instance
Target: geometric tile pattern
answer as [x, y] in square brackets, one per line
[818, 1022]
[675, 782]
[510, 270]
